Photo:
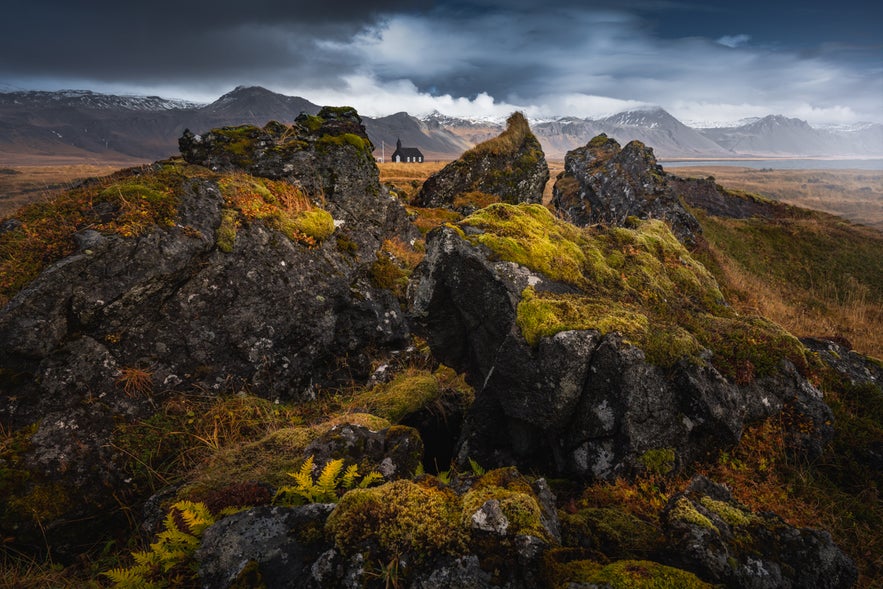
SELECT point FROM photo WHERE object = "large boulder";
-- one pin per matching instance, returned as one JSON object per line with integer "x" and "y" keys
{"x": 509, "y": 168}
{"x": 605, "y": 183}
{"x": 725, "y": 542}
{"x": 177, "y": 277}
{"x": 598, "y": 355}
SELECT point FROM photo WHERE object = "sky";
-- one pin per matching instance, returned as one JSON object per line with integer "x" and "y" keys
{"x": 703, "y": 61}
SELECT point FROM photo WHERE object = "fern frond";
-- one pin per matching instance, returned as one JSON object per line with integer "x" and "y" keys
{"x": 444, "y": 476}
{"x": 477, "y": 469}
{"x": 370, "y": 479}
{"x": 328, "y": 479}
{"x": 304, "y": 477}
{"x": 419, "y": 471}
{"x": 349, "y": 477}
{"x": 196, "y": 515}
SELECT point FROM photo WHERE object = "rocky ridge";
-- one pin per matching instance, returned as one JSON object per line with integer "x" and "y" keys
{"x": 255, "y": 287}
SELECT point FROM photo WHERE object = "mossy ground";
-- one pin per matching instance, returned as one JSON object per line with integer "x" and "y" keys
{"x": 640, "y": 282}
{"x": 623, "y": 574}
{"x": 127, "y": 203}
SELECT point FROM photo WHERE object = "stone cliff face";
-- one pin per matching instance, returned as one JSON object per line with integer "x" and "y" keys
{"x": 509, "y": 168}
{"x": 605, "y": 183}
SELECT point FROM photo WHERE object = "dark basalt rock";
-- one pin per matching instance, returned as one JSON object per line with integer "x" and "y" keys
{"x": 509, "y": 168}
{"x": 273, "y": 315}
{"x": 724, "y": 542}
{"x": 603, "y": 183}
{"x": 274, "y": 547}
{"x": 578, "y": 403}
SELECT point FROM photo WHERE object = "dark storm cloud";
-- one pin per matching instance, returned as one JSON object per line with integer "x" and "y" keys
{"x": 810, "y": 58}
{"x": 165, "y": 39}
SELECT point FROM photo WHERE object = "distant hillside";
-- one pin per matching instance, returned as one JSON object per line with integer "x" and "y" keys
{"x": 668, "y": 136}
{"x": 778, "y": 135}
{"x": 76, "y": 125}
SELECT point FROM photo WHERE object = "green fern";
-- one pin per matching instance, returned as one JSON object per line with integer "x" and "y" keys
{"x": 332, "y": 482}
{"x": 477, "y": 469}
{"x": 161, "y": 566}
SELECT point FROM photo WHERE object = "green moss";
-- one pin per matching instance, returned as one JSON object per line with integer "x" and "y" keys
{"x": 623, "y": 574}
{"x": 311, "y": 122}
{"x": 659, "y": 461}
{"x": 350, "y": 139}
{"x": 686, "y": 512}
{"x": 640, "y": 282}
{"x": 731, "y": 514}
{"x": 529, "y": 235}
{"x": 225, "y": 237}
{"x": 406, "y": 393}
{"x": 315, "y": 223}
{"x": 519, "y": 508}
{"x": 401, "y": 518}
{"x": 612, "y": 531}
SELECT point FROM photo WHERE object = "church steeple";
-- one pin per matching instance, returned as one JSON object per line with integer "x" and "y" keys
{"x": 398, "y": 143}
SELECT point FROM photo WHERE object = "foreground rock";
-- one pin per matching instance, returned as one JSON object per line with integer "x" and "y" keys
{"x": 578, "y": 366}
{"x": 488, "y": 531}
{"x": 726, "y": 543}
{"x": 195, "y": 278}
{"x": 509, "y": 168}
{"x": 604, "y": 183}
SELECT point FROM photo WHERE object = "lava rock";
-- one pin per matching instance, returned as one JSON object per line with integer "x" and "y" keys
{"x": 509, "y": 168}
{"x": 603, "y": 183}
{"x": 724, "y": 542}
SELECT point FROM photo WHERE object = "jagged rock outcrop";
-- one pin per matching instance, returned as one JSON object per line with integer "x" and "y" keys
{"x": 175, "y": 277}
{"x": 509, "y": 168}
{"x": 724, "y": 542}
{"x": 572, "y": 376}
{"x": 604, "y": 183}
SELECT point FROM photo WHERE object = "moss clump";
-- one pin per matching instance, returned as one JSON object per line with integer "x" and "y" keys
{"x": 622, "y": 574}
{"x": 408, "y": 392}
{"x": 660, "y": 461}
{"x": 225, "y": 237}
{"x": 474, "y": 200}
{"x": 685, "y": 511}
{"x": 728, "y": 512}
{"x": 529, "y": 235}
{"x": 400, "y": 518}
{"x": 344, "y": 139}
{"x": 427, "y": 219}
{"x": 506, "y": 143}
{"x": 315, "y": 223}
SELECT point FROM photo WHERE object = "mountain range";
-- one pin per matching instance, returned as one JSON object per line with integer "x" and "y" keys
{"x": 80, "y": 125}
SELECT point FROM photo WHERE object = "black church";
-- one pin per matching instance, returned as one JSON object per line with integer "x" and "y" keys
{"x": 406, "y": 154}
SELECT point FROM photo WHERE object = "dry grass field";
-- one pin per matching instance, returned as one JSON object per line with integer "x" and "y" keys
{"x": 21, "y": 184}
{"x": 856, "y": 195}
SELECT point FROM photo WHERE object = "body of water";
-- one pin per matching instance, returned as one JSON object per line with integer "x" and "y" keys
{"x": 784, "y": 164}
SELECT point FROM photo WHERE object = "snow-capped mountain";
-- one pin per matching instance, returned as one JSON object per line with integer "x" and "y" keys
{"x": 80, "y": 124}
{"x": 95, "y": 100}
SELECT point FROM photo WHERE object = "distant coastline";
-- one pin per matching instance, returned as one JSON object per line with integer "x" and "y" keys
{"x": 783, "y": 163}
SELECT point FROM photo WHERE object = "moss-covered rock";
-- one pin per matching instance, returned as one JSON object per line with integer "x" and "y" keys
{"x": 398, "y": 518}
{"x": 602, "y": 182}
{"x": 712, "y": 534}
{"x": 508, "y": 168}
